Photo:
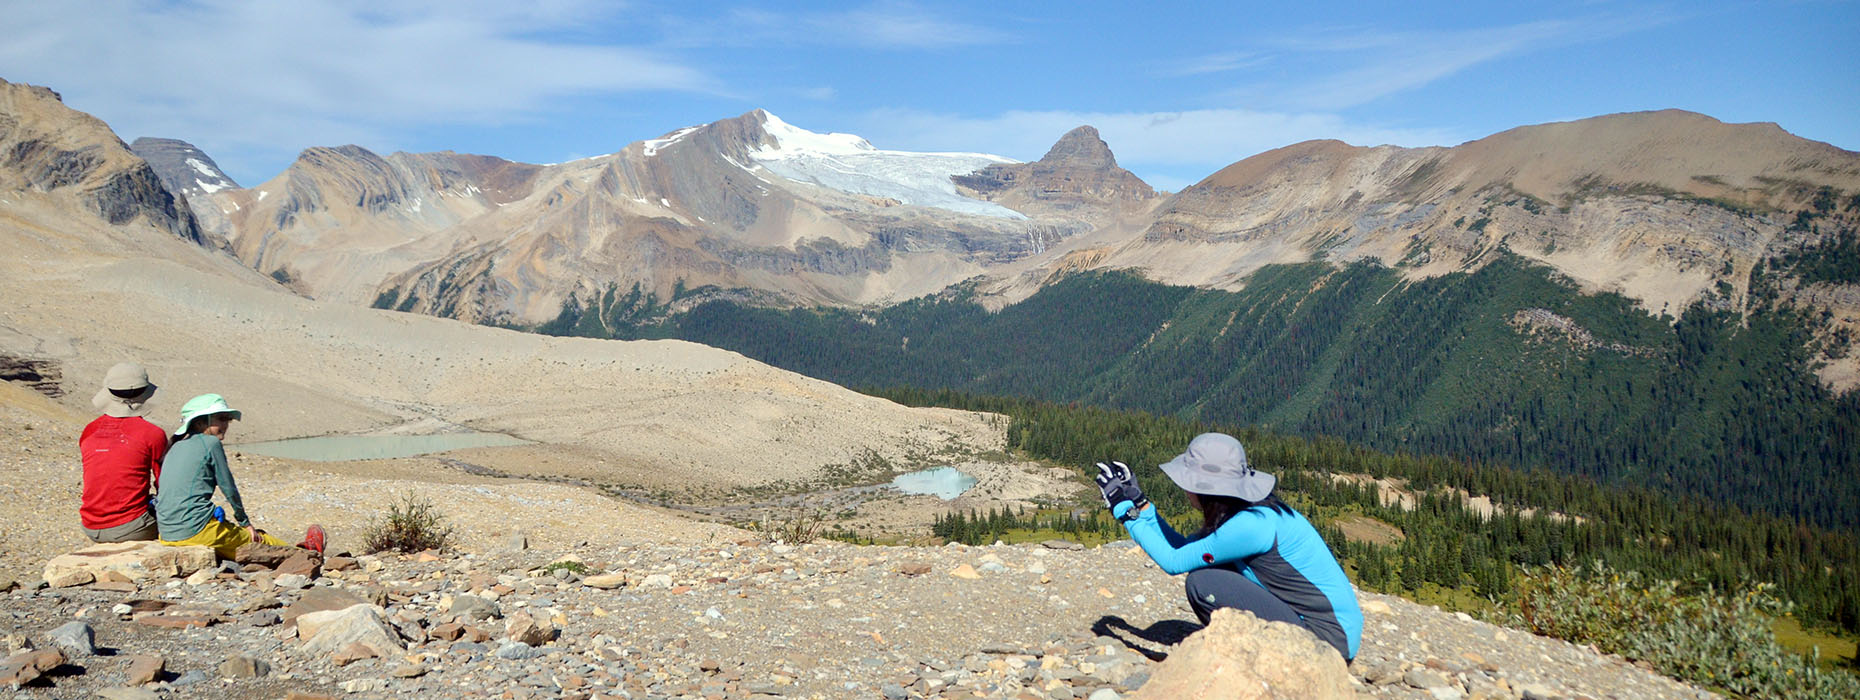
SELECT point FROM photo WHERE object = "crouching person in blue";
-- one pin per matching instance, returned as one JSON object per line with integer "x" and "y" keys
{"x": 1253, "y": 552}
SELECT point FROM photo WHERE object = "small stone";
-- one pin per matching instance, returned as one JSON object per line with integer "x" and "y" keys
{"x": 516, "y": 651}
{"x": 76, "y": 638}
{"x": 604, "y": 581}
{"x": 191, "y": 677}
{"x": 449, "y": 632}
{"x": 408, "y": 671}
{"x": 1376, "y": 607}
{"x": 516, "y": 543}
{"x": 242, "y": 666}
{"x": 965, "y": 572}
{"x": 1425, "y": 679}
{"x": 175, "y": 622}
{"x": 472, "y": 608}
{"x": 122, "y": 610}
{"x": 304, "y": 563}
{"x": 1062, "y": 544}
{"x": 291, "y": 581}
{"x": 523, "y": 627}
{"x": 127, "y": 694}
{"x": 145, "y": 668}
{"x": 914, "y": 568}
{"x": 339, "y": 563}
{"x": 114, "y": 586}
{"x": 353, "y": 652}
{"x": 1104, "y": 694}
{"x": 262, "y": 618}
{"x": 656, "y": 581}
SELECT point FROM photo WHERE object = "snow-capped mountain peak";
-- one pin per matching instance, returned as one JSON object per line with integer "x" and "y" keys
{"x": 848, "y": 163}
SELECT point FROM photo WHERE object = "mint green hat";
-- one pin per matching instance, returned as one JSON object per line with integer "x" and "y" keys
{"x": 203, "y": 405}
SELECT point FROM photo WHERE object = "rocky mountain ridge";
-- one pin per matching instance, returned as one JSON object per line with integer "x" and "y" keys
{"x": 699, "y": 206}
{"x": 46, "y": 147}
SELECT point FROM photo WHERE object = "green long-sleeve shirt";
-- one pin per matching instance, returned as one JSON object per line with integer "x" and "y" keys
{"x": 189, "y": 473}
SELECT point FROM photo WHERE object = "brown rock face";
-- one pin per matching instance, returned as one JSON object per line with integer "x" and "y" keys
{"x": 1239, "y": 656}
{"x": 1078, "y": 178}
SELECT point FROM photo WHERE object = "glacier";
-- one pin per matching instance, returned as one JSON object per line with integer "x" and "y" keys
{"x": 848, "y": 163}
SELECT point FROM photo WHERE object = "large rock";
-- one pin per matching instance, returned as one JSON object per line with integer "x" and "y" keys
{"x": 26, "y": 666}
{"x": 265, "y": 554}
{"x": 134, "y": 561}
{"x": 76, "y": 638}
{"x": 1241, "y": 657}
{"x": 321, "y": 599}
{"x": 326, "y": 633}
{"x": 525, "y": 628}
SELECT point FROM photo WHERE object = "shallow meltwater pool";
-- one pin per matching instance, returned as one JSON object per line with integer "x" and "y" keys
{"x": 943, "y": 482}
{"x": 344, "y": 448}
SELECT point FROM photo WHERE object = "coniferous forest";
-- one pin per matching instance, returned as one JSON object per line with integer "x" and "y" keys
{"x": 1700, "y": 445}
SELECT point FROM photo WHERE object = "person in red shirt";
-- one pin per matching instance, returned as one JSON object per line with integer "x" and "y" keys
{"x": 122, "y": 459}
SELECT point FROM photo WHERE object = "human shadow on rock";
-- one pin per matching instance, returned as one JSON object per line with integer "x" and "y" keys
{"x": 1162, "y": 634}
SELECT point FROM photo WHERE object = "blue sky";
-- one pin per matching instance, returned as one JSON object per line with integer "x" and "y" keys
{"x": 1178, "y": 90}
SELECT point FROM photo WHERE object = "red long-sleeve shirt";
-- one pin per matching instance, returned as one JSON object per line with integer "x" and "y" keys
{"x": 122, "y": 456}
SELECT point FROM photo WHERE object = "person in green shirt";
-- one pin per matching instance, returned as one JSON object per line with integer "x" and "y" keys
{"x": 196, "y": 465}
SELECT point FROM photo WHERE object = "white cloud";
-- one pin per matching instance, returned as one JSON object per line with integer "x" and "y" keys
{"x": 1378, "y": 63}
{"x": 1161, "y": 147}
{"x": 235, "y": 75}
{"x": 892, "y": 24}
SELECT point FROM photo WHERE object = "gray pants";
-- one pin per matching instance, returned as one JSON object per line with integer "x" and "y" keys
{"x": 142, "y": 528}
{"x": 1225, "y": 587}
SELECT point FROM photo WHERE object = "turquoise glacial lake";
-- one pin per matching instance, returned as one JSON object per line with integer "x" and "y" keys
{"x": 943, "y": 482}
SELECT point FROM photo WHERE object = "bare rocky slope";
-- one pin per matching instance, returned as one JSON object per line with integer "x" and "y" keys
{"x": 85, "y": 292}
{"x": 482, "y": 239}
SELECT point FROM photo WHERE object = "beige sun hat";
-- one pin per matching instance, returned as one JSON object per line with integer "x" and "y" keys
{"x": 116, "y": 399}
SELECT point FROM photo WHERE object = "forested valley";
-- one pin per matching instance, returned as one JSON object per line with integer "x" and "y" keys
{"x": 1701, "y": 447}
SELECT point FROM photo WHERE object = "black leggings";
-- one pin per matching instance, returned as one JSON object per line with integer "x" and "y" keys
{"x": 1225, "y": 587}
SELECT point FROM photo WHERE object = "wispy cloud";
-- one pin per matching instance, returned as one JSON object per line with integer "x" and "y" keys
{"x": 1215, "y": 63}
{"x": 893, "y": 25}
{"x": 1158, "y": 146}
{"x": 235, "y": 76}
{"x": 1355, "y": 66}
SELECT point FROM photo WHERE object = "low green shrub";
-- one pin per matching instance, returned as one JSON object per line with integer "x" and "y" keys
{"x": 1719, "y": 639}
{"x": 798, "y": 529}
{"x": 412, "y": 525}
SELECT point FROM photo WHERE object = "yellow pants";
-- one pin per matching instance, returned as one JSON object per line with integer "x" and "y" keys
{"x": 224, "y": 537}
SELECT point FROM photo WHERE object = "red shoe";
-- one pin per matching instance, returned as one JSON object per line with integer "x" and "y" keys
{"x": 313, "y": 539}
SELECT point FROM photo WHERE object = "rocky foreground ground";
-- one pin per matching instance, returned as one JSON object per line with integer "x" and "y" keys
{"x": 739, "y": 619}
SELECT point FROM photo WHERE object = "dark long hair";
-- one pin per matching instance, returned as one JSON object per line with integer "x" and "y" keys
{"x": 1215, "y": 510}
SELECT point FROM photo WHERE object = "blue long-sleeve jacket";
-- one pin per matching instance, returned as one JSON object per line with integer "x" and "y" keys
{"x": 1281, "y": 552}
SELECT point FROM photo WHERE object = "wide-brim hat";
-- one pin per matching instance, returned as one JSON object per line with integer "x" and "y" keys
{"x": 125, "y": 376}
{"x": 1215, "y": 464}
{"x": 204, "y": 405}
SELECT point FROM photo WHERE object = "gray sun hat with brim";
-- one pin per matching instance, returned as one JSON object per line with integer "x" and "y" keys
{"x": 124, "y": 377}
{"x": 1215, "y": 464}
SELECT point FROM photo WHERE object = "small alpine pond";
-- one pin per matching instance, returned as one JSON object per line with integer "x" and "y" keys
{"x": 943, "y": 482}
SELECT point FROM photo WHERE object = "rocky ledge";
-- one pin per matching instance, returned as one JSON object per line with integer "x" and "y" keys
{"x": 746, "y": 620}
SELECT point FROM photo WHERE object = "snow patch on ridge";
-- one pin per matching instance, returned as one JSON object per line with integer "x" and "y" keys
{"x": 215, "y": 180}
{"x": 651, "y": 146}
{"x": 848, "y": 163}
